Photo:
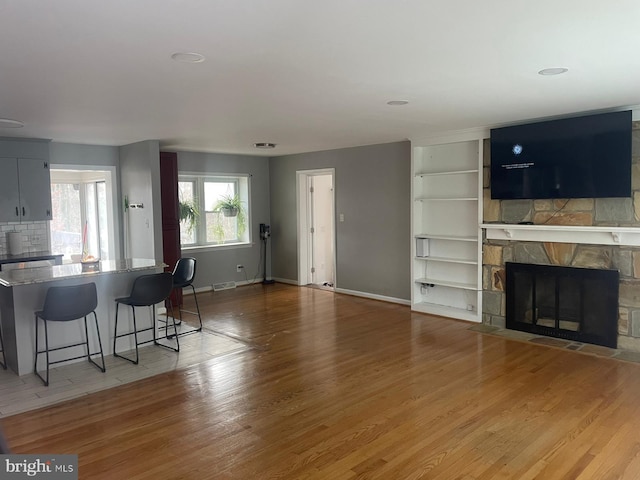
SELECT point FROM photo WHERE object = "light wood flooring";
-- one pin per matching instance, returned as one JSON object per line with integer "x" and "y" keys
{"x": 24, "y": 393}
{"x": 340, "y": 387}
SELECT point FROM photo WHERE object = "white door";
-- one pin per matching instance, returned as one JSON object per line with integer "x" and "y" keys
{"x": 321, "y": 195}
{"x": 316, "y": 228}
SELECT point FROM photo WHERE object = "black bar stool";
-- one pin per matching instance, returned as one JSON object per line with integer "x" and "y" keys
{"x": 64, "y": 304}
{"x": 147, "y": 291}
{"x": 183, "y": 274}
{"x": 3, "y": 363}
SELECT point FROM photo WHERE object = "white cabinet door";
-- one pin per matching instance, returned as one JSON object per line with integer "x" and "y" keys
{"x": 9, "y": 193}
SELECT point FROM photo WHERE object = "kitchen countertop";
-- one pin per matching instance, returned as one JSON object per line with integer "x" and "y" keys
{"x": 29, "y": 276}
{"x": 23, "y": 291}
{"x": 29, "y": 257}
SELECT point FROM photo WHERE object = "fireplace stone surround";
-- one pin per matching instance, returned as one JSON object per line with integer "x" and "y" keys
{"x": 576, "y": 304}
{"x": 580, "y": 247}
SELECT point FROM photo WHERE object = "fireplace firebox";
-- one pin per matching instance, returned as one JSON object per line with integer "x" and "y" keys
{"x": 579, "y": 304}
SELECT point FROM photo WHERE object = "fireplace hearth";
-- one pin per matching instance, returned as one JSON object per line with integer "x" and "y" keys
{"x": 579, "y": 304}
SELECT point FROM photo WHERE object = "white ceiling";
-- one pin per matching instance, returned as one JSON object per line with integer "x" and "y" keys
{"x": 306, "y": 74}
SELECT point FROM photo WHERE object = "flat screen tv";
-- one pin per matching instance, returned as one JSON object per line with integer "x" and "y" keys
{"x": 581, "y": 157}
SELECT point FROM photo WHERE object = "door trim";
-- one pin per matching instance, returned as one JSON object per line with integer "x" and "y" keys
{"x": 302, "y": 214}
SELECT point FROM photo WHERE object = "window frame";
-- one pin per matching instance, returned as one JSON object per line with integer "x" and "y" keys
{"x": 243, "y": 187}
{"x": 94, "y": 174}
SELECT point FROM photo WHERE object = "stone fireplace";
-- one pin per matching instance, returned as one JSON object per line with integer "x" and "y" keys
{"x": 578, "y": 304}
{"x": 586, "y": 233}
{"x": 625, "y": 259}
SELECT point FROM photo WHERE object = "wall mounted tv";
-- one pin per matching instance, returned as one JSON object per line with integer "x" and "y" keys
{"x": 581, "y": 157}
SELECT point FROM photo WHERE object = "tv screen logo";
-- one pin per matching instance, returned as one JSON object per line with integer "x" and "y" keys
{"x": 516, "y": 149}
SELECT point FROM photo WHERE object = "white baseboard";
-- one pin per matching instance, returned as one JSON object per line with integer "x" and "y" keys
{"x": 248, "y": 282}
{"x": 188, "y": 291}
{"x": 355, "y": 293}
{"x": 208, "y": 288}
{"x": 373, "y": 296}
{"x": 286, "y": 280}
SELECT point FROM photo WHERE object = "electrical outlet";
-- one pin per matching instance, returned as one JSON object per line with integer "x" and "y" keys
{"x": 239, "y": 268}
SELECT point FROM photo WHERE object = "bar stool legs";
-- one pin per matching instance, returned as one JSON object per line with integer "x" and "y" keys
{"x": 197, "y": 312}
{"x": 116, "y": 336}
{"x": 86, "y": 343}
{"x": 135, "y": 332}
{"x": 3, "y": 363}
{"x": 62, "y": 305}
{"x": 183, "y": 275}
{"x": 147, "y": 291}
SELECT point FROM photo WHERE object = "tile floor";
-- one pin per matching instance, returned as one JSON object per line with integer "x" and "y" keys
{"x": 586, "y": 348}
{"x": 20, "y": 394}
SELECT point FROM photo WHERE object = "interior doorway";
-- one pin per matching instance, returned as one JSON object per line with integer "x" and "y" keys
{"x": 316, "y": 228}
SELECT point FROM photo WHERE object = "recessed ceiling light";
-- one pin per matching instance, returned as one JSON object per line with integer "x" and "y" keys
{"x": 397, "y": 102}
{"x": 264, "y": 145}
{"x": 188, "y": 57}
{"x": 553, "y": 71}
{"x": 8, "y": 123}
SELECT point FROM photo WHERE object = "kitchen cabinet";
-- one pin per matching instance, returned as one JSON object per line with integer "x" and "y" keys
{"x": 25, "y": 190}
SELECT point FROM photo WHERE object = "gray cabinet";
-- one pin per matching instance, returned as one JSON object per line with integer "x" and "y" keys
{"x": 9, "y": 190}
{"x": 25, "y": 190}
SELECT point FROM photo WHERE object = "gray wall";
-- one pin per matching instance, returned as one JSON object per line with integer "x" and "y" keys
{"x": 218, "y": 264}
{"x": 24, "y": 147}
{"x": 373, "y": 192}
{"x": 83, "y": 155}
{"x": 140, "y": 182}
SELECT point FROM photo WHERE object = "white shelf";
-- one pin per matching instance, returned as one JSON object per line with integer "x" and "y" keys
{"x": 446, "y": 311}
{"x": 446, "y": 189}
{"x": 444, "y": 199}
{"x": 628, "y": 236}
{"x": 456, "y": 238}
{"x": 447, "y": 283}
{"x": 448, "y": 260}
{"x": 435, "y": 174}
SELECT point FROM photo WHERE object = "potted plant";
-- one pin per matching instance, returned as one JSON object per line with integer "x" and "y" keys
{"x": 188, "y": 213}
{"x": 231, "y": 206}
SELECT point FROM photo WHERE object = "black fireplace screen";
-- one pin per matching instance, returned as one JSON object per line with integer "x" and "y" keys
{"x": 578, "y": 304}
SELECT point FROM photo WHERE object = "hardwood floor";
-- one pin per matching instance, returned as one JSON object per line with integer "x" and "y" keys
{"x": 24, "y": 393}
{"x": 340, "y": 387}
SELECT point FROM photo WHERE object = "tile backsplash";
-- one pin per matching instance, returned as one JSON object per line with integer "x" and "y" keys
{"x": 35, "y": 236}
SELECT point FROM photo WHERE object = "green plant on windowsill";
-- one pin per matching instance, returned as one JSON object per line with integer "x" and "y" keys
{"x": 188, "y": 213}
{"x": 230, "y": 206}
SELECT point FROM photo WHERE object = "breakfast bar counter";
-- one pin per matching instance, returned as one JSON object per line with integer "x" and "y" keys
{"x": 22, "y": 292}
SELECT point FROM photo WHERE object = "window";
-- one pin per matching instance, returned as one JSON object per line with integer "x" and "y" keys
{"x": 80, "y": 204}
{"x": 212, "y": 225}
{"x": 66, "y": 223}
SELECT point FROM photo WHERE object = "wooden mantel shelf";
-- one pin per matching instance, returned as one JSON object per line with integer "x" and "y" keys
{"x": 628, "y": 236}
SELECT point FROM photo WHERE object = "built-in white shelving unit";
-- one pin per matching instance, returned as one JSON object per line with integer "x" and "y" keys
{"x": 446, "y": 215}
